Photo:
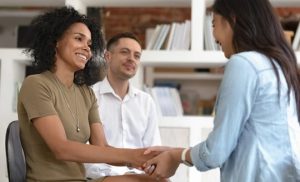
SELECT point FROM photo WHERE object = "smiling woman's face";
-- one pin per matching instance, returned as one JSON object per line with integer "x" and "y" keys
{"x": 223, "y": 34}
{"x": 73, "y": 49}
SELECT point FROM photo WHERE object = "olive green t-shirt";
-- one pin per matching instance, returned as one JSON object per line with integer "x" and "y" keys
{"x": 44, "y": 95}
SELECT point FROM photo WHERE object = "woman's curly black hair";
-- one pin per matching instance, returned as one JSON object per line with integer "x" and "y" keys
{"x": 48, "y": 28}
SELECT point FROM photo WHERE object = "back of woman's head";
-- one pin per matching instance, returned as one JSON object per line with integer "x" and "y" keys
{"x": 257, "y": 28}
{"x": 48, "y": 28}
{"x": 254, "y": 23}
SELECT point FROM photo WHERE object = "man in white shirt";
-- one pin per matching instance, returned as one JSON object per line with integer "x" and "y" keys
{"x": 128, "y": 115}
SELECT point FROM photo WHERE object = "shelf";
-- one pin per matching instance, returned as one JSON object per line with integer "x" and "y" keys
{"x": 124, "y": 3}
{"x": 139, "y": 3}
{"x": 14, "y": 54}
{"x": 31, "y": 3}
{"x": 187, "y": 76}
{"x": 17, "y": 13}
{"x": 275, "y": 3}
{"x": 199, "y": 59}
{"x": 192, "y": 122}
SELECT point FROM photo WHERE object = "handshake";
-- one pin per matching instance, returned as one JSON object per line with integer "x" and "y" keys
{"x": 160, "y": 162}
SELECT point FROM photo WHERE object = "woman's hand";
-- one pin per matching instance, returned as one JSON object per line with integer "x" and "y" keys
{"x": 164, "y": 165}
{"x": 157, "y": 149}
{"x": 137, "y": 157}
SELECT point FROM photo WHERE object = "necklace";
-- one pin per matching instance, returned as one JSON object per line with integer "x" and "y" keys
{"x": 68, "y": 105}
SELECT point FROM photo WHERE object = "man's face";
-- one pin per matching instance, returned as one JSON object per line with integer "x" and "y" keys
{"x": 124, "y": 58}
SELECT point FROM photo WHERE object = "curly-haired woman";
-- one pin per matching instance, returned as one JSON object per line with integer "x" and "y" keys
{"x": 57, "y": 109}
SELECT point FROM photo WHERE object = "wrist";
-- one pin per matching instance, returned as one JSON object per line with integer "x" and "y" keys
{"x": 175, "y": 154}
{"x": 184, "y": 159}
{"x": 128, "y": 157}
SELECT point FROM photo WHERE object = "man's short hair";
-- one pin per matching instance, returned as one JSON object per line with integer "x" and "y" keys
{"x": 114, "y": 39}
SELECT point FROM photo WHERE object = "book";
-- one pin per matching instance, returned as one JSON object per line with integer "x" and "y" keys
{"x": 176, "y": 43}
{"x": 167, "y": 100}
{"x": 154, "y": 37}
{"x": 170, "y": 37}
{"x": 186, "y": 35}
{"x": 161, "y": 37}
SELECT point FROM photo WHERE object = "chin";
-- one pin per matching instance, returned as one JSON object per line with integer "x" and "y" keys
{"x": 80, "y": 68}
{"x": 227, "y": 54}
{"x": 129, "y": 75}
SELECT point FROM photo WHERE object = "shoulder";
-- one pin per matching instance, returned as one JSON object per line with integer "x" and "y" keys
{"x": 37, "y": 80}
{"x": 35, "y": 86}
{"x": 141, "y": 93}
{"x": 96, "y": 86}
{"x": 250, "y": 60}
{"x": 143, "y": 96}
{"x": 88, "y": 90}
{"x": 102, "y": 87}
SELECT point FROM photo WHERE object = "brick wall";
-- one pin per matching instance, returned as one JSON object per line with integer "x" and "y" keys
{"x": 137, "y": 20}
{"x": 289, "y": 17}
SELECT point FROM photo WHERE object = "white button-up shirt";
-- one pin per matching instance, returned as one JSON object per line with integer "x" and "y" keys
{"x": 128, "y": 123}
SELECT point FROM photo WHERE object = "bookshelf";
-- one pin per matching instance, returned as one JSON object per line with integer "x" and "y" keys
{"x": 13, "y": 61}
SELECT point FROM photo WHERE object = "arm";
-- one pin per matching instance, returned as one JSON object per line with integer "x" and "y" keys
{"x": 97, "y": 135}
{"x": 233, "y": 108}
{"x": 39, "y": 98}
{"x": 51, "y": 130}
{"x": 236, "y": 98}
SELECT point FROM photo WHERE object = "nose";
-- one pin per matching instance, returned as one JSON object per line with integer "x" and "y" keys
{"x": 87, "y": 47}
{"x": 131, "y": 57}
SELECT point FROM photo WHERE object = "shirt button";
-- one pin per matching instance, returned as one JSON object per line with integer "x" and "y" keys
{"x": 203, "y": 155}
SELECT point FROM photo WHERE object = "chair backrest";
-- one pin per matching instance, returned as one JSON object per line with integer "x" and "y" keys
{"x": 15, "y": 159}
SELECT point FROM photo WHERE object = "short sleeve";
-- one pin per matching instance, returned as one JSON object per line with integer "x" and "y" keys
{"x": 93, "y": 113}
{"x": 36, "y": 98}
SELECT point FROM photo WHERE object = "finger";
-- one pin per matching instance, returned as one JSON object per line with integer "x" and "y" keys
{"x": 147, "y": 169}
{"x": 151, "y": 169}
{"x": 149, "y": 166}
{"x": 156, "y": 149}
{"x": 150, "y": 149}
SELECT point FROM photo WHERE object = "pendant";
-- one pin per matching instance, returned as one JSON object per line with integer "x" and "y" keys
{"x": 78, "y": 129}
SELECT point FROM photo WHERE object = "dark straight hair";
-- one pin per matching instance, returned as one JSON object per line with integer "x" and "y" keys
{"x": 257, "y": 28}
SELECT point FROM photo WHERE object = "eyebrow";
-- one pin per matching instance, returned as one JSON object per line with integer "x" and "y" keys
{"x": 83, "y": 35}
{"x": 125, "y": 48}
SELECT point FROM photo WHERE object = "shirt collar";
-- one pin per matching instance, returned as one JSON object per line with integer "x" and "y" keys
{"x": 105, "y": 87}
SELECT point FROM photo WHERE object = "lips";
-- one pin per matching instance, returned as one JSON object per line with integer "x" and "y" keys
{"x": 82, "y": 56}
{"x": 129, "y": 66}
